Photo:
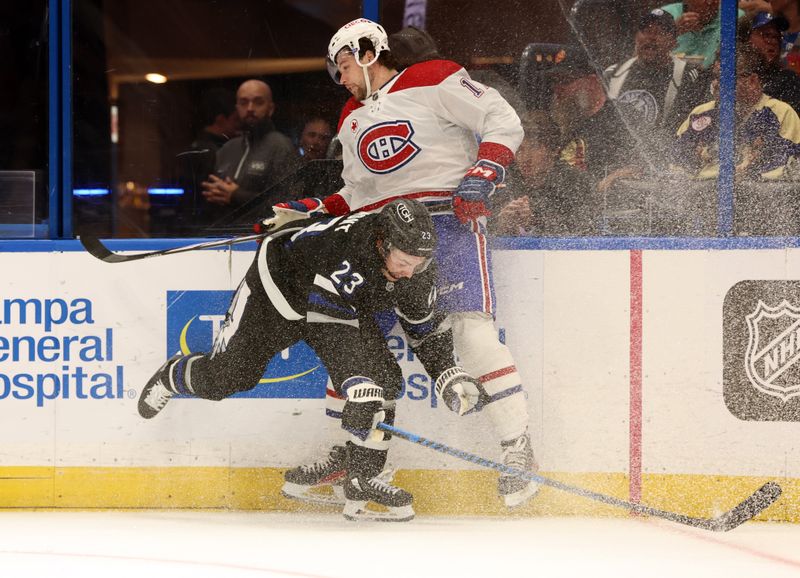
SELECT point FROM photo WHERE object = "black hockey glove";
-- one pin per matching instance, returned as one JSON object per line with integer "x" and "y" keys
{"x": 363, "y": 408}
{"x": 459, "y": 391}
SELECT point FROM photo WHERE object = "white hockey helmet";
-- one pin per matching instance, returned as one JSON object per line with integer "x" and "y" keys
{"x": 347, "y": 37}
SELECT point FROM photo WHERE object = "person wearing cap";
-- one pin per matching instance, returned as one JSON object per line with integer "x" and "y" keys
{"x": 594, "y": 136}
{"x": 790, "y": 10}
{"x": 698, "y": 25}
{"x": 763, "y": 33}
{"x": 767, "y": 130}
{"x": 753, "y": 7}
{"x": 661, "y": 87}
{"x": 545, "y": 196}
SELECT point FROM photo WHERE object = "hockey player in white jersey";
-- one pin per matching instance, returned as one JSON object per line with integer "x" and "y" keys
{"x": 412, "y": 134}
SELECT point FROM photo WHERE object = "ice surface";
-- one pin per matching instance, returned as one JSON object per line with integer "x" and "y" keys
{"x": 225, "y": 544}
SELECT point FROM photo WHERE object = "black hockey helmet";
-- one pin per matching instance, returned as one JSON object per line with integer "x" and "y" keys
{"x": 411, "y": 45}
{"x": 406, "y": 225}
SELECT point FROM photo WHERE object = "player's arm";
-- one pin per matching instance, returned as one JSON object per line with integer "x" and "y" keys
{"x": 487, "y": 114}
{"x": 335, "y": 204}
{"x": 331, "y": 298}
{"x": 483, "y": 110}
{"x": 432, "y": 342}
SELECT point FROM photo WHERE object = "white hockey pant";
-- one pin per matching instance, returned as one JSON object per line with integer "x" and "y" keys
{"x": 482, "y": 354}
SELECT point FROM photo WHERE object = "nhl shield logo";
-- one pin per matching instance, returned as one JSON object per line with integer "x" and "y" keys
{"x": 773, "y": 350}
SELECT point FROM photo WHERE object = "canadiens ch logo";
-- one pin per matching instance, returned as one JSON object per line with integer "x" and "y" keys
{"x": 387, "y": 146}
{"x": 773, "y": 350}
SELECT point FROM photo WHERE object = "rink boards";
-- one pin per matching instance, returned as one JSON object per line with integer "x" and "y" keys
{"x": 666, "y": 376}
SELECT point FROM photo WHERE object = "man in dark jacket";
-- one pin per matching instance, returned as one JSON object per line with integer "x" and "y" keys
{"x": 248, "y": 165}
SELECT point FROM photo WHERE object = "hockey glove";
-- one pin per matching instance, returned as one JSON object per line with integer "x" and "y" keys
{"x": 288, "y": 212}
{"x": 363, "y": 408}
{"x": 461, "y": 392}
{"x": 472, "y": 194}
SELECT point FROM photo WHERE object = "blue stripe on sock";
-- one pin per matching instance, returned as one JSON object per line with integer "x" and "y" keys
{"x": 505, "y": 393}
{"x": 178, "y": 372}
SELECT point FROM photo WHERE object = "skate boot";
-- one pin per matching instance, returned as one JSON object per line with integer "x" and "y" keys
{"x": 395, "y": 502}
{"x": 368, "y": 483}
{"x": 158, "y": 391}
{"x": 305, "y": 482}
{"x": 517, "y": 454}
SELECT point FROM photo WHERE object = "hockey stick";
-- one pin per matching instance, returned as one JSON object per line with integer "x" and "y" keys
{"x": 761, "y": 499}
{"x": 96, "y": 248}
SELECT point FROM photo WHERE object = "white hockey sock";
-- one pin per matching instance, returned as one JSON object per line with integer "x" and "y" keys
{"x": 482, "y": 354}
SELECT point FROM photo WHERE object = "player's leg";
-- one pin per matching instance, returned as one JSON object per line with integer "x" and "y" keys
{"x": 365, "y": 459}
{"x": 320, "y": 481}
{"x": 483, "y": 355}
{"x": 467, "y": 292}
{"x": 253, "y": 332}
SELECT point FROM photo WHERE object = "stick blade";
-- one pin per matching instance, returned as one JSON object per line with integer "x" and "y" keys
{"x": 759, "y": 501}
{"x": 96, "y": 249}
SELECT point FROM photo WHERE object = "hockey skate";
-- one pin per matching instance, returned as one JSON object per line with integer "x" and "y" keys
{"x": 395, "y": 503}
{"x": 156, "y": 393}
{"x": 310, "y": 482}
{"x": 517, "y": 454}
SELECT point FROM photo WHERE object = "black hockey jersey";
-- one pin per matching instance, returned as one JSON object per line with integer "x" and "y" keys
{"x": 330, "y": 271}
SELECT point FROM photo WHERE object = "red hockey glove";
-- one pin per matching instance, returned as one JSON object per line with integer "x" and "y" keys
{"x": 475, "y": 189}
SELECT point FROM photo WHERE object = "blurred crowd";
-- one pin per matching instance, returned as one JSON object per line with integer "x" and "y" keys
{"x": 628, "y": 149}
{"x": 634, "y": 148}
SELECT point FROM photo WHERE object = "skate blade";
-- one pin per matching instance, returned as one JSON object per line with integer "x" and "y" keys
{"x": 325, "y": 495}
{"x": 357, "y": 511}
{"x": 517, "y": 499}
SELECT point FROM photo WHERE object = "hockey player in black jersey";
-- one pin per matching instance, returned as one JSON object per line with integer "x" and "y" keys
{"x": 323, "y": 282}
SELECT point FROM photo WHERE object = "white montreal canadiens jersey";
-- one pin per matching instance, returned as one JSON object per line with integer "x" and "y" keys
{"x": 420, "y": 133}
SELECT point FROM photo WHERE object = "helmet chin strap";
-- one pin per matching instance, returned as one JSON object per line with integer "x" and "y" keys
{"x": 366, "y": 79}
{"x": 364, "y": 68}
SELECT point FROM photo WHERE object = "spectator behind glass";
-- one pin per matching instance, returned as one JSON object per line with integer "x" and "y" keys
{"x": 753, "y": 7}
{"x": 412, "y": 45}
{"x": 315, "y": 139}
{"x": 594, "y": 135}
{"x": 545, "y": 196}
{"x": 251, "y": 163}
{"x": 698, "y": 27}
{"x": 767, "y": 130}
{"x": 659, "y": 87}
{"x": 764, "y": 34}
{"x": 219, "y": 118}
{"x": 790, "y": 10}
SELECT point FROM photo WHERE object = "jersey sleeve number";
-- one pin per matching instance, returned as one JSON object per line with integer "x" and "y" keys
{"x": 347, "y": 279}
{"x": 476, "y": 91}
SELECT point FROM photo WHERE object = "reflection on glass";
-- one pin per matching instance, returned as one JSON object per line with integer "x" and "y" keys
{"x": 156, "y": 116}
{"x": 618, "y": 83}
{"x": 23, "y": 119}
